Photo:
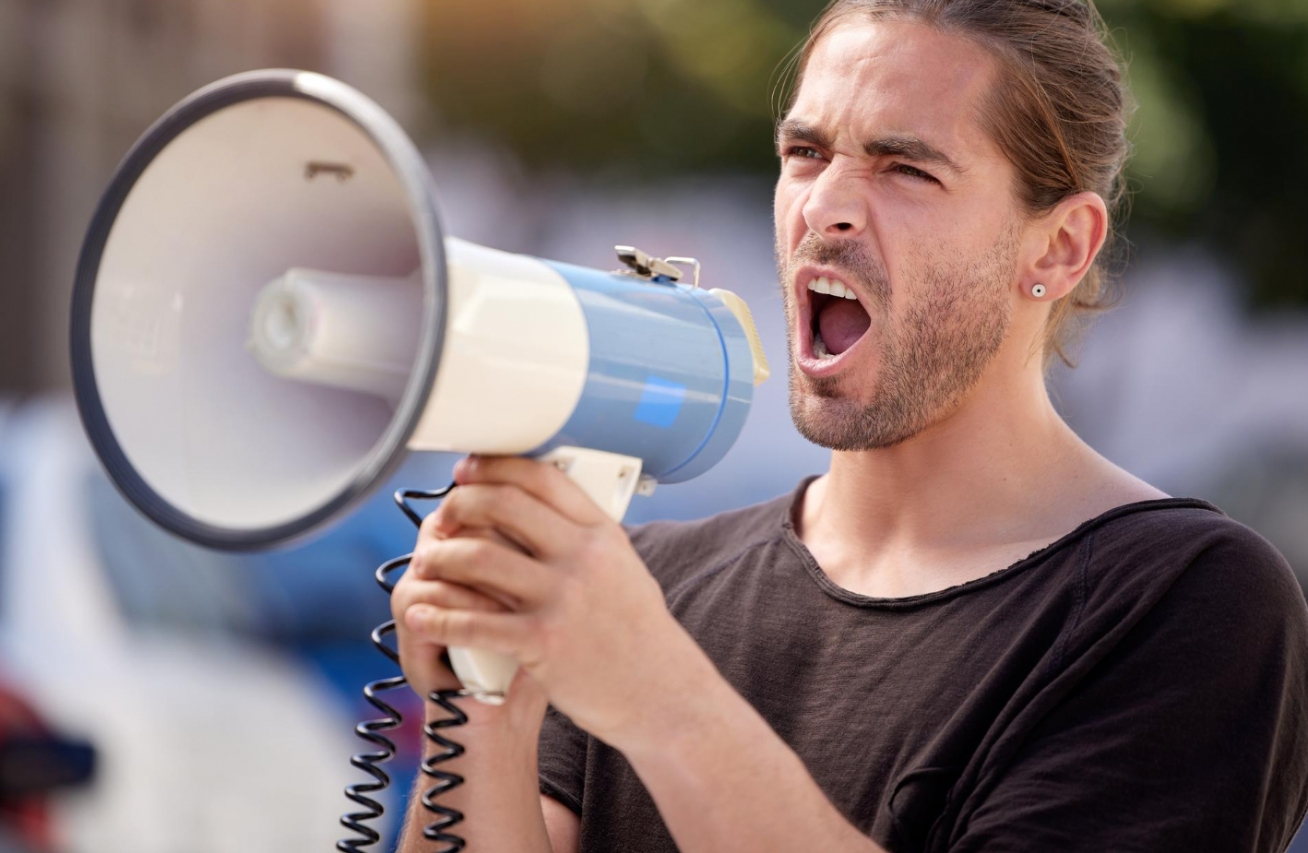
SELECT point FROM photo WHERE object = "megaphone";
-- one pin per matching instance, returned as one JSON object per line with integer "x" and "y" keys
{"x": 268, "y": 316}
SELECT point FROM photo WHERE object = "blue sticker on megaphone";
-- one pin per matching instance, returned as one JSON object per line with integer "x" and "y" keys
{"x": 660, "y": 403}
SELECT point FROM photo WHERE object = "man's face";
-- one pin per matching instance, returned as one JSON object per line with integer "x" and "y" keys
{"x": 890, "y": 186}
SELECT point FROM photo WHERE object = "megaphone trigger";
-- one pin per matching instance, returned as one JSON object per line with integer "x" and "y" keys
{"x": 608, "y": 479}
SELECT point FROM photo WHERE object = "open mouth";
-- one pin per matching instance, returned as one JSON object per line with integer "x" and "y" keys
{"x": 837, "y": 319}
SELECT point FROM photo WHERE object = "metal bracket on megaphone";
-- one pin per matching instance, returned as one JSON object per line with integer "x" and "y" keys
{"x": 644, "y": 265}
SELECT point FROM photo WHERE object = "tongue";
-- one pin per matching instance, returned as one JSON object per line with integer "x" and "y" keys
{"x": 842, "y": 322}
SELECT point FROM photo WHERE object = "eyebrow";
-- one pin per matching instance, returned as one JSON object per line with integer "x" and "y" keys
{"x": 904, "y": 145}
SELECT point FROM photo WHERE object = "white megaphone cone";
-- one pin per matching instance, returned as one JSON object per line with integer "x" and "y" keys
{"x": 267, "y": 317}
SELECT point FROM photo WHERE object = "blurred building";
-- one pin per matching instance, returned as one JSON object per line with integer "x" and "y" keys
{"x": 80, "y": 80}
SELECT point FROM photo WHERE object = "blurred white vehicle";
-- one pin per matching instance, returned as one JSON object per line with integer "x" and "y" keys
{"x": 206, "y": 742}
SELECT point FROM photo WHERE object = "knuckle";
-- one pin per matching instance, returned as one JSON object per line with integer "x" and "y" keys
{"x": 402, "y": 597}
{"x": 512, "y": 501}
{"x": 451, "y": 509}
{"x": 420, "y": 563}
{"x": 591, "y": 544}
{"x": 403, "y": 585}
{"x": 549, "y": 478}
{"x": 400, "y": 605}
{"x": 432, "y": 592}
{"x": 434, "y": 556}
{"x": 470, "y": 505}
{"x": 436, "y": 622}
{"x": 541, "y": 636}
{"x": 474, "y": 504}
{"x": 459, "y": 625}
{"x": 478, "y": 549}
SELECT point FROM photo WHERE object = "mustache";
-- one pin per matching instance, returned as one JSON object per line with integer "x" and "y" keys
{"x": 848, "y": 255}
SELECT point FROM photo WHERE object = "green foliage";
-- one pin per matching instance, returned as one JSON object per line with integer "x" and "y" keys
{"x": 644, "y": 89}
{"x": 1220, "y": 134}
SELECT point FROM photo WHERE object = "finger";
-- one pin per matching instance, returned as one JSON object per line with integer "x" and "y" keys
{"x": 490, "y": 535}
{"x": 411, "y": 590}
{"x": 451, "y": 596}
{"x": 429, "y": 529}
{"x": 485, "y": 566}
{"x": 504, "y": 600}
{"x": 539, "y": 479}
{"x": 505, "y": 633}
{"x": 520, "y": 517}
{"x": 422, "y": 661}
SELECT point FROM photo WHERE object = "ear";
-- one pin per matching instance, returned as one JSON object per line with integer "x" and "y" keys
{"x": 1071, "y": 236}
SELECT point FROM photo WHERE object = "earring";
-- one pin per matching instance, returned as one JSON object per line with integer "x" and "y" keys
{"x": 1038, "y": 291}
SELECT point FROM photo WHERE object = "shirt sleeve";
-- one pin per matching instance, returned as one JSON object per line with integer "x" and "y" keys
{"x": 562, "y": 760}
{"x": 1191, "y": 734}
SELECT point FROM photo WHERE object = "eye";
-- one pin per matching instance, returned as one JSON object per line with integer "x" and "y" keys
{"x": 803, "y": 152}
{"x": 913, "y": 172}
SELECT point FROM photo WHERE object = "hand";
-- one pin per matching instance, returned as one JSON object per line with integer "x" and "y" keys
{"x": 423, "y": 661}
{"x": 584, "y": 616}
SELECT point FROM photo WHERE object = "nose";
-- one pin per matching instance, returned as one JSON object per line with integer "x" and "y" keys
{"x": 835, "y": 208}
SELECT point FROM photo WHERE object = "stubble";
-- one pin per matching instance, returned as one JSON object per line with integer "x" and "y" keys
{"x": 932, "y": 352}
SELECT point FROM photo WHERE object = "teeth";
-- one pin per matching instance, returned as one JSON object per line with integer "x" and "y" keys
{"x": 820, "y": 347}
{"x": 833, "y": 288}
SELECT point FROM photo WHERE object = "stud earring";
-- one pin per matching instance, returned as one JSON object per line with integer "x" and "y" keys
{"x": 1038, "y": 291}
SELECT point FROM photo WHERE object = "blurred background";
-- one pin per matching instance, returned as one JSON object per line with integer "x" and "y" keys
{"x": 177, "y": 699}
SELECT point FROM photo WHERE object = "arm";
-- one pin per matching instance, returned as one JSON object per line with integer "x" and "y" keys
{"x": 589, "y": 624}
{"x": 508, "y": 797}
{"x": 724, "y": 780}
{"x": 564, "y": 827}
{"x": 500, "y": 795}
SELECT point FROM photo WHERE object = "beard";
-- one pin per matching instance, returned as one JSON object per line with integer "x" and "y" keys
{"x": 952, "y": 325}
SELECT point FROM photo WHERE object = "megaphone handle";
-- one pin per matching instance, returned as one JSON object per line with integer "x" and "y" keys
{"x": 610, "y": 480}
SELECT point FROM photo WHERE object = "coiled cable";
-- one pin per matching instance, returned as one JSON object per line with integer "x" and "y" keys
{"x": 372, "y": 731}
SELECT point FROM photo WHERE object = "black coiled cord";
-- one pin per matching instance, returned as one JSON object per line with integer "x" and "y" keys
{"x": 372, "y": 730}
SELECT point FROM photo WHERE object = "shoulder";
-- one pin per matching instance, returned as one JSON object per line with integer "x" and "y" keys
{"x": 1239, "y": 577}
{"x": 675, "y": 551}
{"x": 1185, "y": 561}
{"x": 1191, "y": 537}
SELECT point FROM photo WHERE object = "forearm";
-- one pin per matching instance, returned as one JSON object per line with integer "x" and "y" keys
{"x": 499, "y": 798}
{"x": 724, "y": 780}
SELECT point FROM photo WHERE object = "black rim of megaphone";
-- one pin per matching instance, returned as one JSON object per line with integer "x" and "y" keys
{"x": 412, "y": 172}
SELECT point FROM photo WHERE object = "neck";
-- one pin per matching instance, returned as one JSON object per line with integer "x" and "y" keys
{"x": 1000, "y": 476}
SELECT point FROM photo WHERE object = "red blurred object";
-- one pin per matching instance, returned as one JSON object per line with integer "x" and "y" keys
{"x": 33, "y": 761}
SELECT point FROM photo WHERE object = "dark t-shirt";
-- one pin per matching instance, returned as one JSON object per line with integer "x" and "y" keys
{"x": 1139, "y": 685}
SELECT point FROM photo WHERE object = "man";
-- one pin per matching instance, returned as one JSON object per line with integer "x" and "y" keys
{"x": 972, "y": 633}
